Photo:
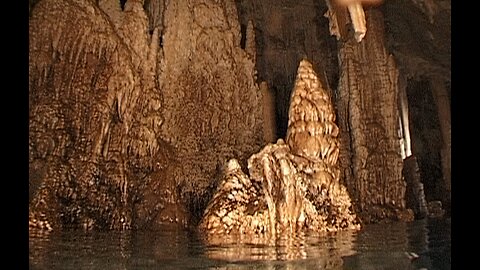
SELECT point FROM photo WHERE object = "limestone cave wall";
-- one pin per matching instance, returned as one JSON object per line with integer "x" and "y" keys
{"x": 135, "y": 106}
{"x": 212, "y": 103}
{"x": 128, "y": 124}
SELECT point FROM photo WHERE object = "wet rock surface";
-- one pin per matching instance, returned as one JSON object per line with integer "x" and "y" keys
{"x": 133, "y": 108}
{"x": 83, "y": 90}
{"x": 290, "y": 186}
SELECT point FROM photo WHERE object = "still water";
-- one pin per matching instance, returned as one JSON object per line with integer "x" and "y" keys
{"x": 422, "y": 244}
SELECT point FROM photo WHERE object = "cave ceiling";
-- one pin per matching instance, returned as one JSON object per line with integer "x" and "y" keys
{"x": 418, "y": 32}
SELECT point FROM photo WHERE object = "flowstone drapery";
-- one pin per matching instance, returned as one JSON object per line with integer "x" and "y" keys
{"x": 131, "y": 110}
{"x": 291, "y": 186}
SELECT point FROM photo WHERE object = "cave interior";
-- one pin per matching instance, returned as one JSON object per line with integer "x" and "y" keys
{"x": 416, "y": 33}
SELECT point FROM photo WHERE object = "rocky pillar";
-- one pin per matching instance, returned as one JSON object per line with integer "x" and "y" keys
{"x": 368, "y": 119}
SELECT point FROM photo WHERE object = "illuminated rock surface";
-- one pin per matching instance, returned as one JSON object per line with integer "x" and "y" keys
{"x": 132, "y": 112}
{"x": 290, "y": 186}
{"x": 134, "y": 107}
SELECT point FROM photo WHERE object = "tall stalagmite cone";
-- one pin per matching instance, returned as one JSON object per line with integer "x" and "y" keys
{"x": 311, "y": 131}
{"x": 289, "y": 187}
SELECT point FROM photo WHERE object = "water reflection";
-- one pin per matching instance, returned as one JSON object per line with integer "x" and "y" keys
{"x": 326, "y": 249}
{"x": 382, "y": 246}
{"x": 256, "y": 248}
{"x": 423, "y": 244}
{"x": 385, "y": 246}
{"x": 79, "y": 250}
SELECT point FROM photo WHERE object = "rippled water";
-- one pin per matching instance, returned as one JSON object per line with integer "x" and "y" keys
{"x": 385, "y": 246}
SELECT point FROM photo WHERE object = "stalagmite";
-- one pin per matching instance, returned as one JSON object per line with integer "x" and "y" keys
{"x": 371, "y": 161}
{"x": 415, "y": 197}
{"x": 290, "y": 186}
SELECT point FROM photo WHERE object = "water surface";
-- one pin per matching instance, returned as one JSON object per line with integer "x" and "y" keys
{"x": 423, "y": 244}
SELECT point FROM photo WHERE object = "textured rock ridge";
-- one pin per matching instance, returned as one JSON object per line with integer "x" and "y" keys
{"x": 132, "y": 112}
{"x": 213, "y": 106}
{"x": 83, "y": 88}
{"x": 371, "y": 161}
{"x": 291, "y": 186}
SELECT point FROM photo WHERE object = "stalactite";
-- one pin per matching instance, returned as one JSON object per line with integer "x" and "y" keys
{"x": 404, "y": 118}
{"x": 155, "y": 10}
{"x": 134, "y": 31}
{"x": 338, "y": 19}
{"x": 337, "y": 10}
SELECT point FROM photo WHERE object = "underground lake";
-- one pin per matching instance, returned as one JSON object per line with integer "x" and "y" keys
{"x": 421, "y": 244}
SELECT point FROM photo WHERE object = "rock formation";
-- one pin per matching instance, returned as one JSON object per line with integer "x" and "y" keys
{"x": 419, "y": 35}
{"x": 287, "y": 32}
{"x": 291, "y": 186}
{"x": 212, "y": 104}
{"x": 84, "y": 89}
{"x": 132, "y": 112}
{"x": 367, "y": 102}
{"x": 135, "y": 106}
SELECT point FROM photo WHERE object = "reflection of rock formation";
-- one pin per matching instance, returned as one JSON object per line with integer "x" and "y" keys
{"x": 290, "y": 186}
{"x": 321, "y": 251}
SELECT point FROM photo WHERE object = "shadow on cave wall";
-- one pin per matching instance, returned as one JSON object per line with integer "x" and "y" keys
{"x": 427, "y": 137}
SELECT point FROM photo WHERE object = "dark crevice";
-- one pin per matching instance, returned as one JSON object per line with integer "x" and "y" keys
{"x": 122, "y": 4}
{"x": 243, "y": 36}
{"x": 426, "y": 136}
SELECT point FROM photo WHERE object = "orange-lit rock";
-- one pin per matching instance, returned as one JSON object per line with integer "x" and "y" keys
{"x": 291, "y": 186}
